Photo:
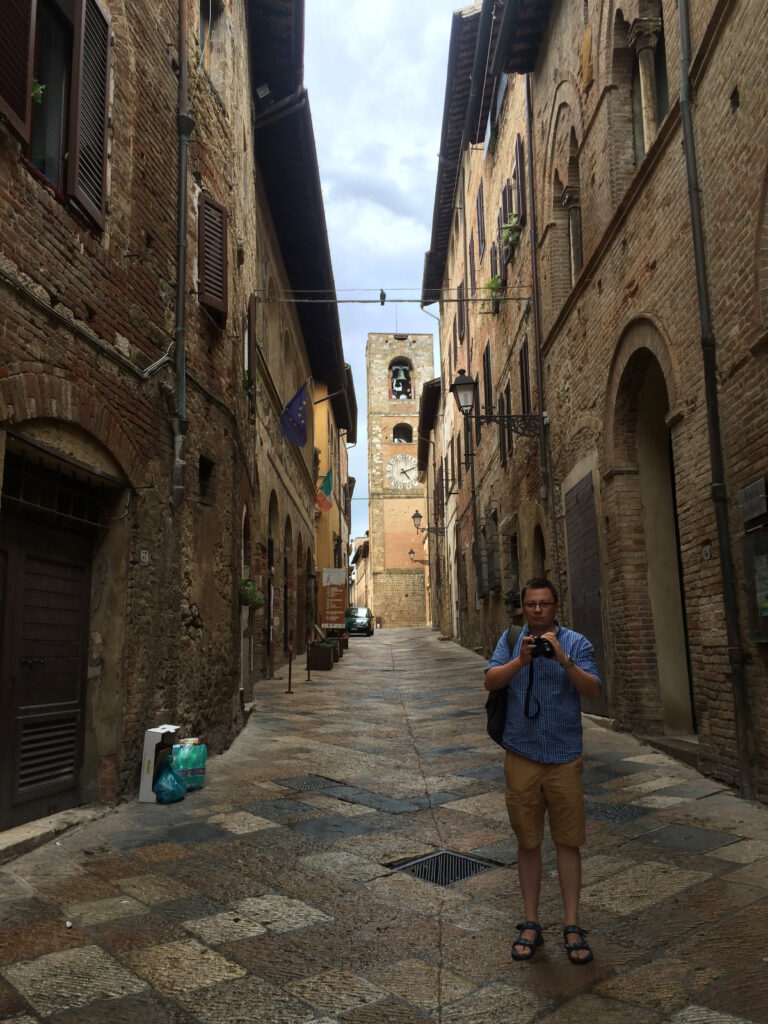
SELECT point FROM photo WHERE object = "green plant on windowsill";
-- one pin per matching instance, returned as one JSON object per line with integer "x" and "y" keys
{"x": 511, "y": 231}
{"x": 493, "y": 289}
{"x": 511, "y": 599}
{"x": 249, "y": 593}
{"x": 37, "y": 91}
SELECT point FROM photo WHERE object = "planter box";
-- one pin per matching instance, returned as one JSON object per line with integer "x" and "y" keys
{"x": 336, "y": 650}
{"x": 320, "y": 658}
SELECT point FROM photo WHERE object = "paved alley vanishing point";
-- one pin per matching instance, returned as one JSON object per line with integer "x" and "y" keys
{"x": 272, "y": 894}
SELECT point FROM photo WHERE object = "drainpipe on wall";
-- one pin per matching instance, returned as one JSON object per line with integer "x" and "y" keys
{"x": 709, "y": 353}
{"x": 185, "y": 126}
{"x": 546, "y": 492}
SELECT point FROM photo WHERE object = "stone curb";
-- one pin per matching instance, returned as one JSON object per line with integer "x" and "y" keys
{"x": 16, "y": 841}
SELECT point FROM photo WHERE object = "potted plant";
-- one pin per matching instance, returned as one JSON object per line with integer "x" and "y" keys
{"x": 493, "y": 289}
{"x": 320, "y": 656}
{"x": 511, "y": 600}
{"x": 511, "y": 232}
{"x": 249, "y": 593}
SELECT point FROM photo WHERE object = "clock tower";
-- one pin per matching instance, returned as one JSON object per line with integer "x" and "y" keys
{"x": 397, "y": 366}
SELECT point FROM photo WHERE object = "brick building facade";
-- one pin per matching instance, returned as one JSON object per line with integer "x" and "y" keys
{"x": 638, "y": 339}
{"x": 397, "y": 366}
{"x": 150, "y": 198}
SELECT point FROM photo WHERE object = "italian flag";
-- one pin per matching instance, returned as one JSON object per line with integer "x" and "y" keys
{"x": 323, "y": 498}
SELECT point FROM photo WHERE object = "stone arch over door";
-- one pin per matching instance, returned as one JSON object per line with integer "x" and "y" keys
{"x": 653, "y": 690}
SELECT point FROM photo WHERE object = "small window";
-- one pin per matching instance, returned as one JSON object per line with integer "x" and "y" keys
{"x": 461, "y": 310}
{"x": 458, "y": 459}
{"x": 205, "y": 477}
{"x": 211, "y": 18}
{"x": 402, "y": 433}
{"x": 212, "y": 253}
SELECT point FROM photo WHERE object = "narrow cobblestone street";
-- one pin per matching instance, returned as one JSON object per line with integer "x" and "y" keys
{"x": 270, "y": 896}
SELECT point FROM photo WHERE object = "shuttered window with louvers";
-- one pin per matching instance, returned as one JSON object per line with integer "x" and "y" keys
{"x": 212, "y": 253}
{"x": 87, "y": 162}
{"x": 17, "y": 40}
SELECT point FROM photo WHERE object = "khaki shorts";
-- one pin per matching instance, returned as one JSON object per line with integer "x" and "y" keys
{"x": 533, "y": 788}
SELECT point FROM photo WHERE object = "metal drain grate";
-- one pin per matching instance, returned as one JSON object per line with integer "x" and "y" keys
{"x": 307, "y": 783}
{"x": 444, "y": 867}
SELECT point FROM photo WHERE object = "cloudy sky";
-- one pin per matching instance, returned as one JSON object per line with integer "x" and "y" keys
{"x": 375, "y": 73}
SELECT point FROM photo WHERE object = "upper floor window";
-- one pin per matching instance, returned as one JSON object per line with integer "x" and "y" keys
{"x": 525, "y": 378}
{"x": 211, "y": 22}
{"x": 480, "y": 210}
{"x": 403, "y": 433}
{"x": 54, "y": 89}
{"x": 400, "y": 380}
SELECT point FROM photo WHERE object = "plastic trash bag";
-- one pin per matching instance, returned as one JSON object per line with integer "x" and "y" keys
{"x": 189, "y": 757}
{"x": 169, "y": 785}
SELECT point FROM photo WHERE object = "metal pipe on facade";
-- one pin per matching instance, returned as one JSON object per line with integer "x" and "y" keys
{"x": 185, "y": 126}
{"x": 709, "y": 354}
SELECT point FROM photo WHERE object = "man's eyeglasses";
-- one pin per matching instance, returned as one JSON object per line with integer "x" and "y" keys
{"x": 530, "y": 605}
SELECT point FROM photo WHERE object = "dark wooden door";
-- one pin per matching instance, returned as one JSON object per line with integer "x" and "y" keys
{"x": 584, "y": 576}
{"x": 44, "y": 615}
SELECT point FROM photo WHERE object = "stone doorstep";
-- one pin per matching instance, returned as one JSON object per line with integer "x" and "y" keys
{"x": 19, "y": 840}
{"x": 681, "y": 748}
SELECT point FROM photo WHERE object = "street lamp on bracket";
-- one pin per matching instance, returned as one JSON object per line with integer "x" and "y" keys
{"x": 417, "y": 518}
{"x": 464, "y": 390}
{"x": 421, "y": 561}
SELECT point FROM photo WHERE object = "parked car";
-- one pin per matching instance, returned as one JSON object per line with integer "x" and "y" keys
{"x": 358, "y": 620}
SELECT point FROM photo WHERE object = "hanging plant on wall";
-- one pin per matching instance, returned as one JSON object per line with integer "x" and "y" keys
{"x": 511, "y": 231}
{"x": 249, "y": 593}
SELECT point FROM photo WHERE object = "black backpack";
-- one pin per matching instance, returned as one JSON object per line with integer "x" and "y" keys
{"x": 496, "y": 705}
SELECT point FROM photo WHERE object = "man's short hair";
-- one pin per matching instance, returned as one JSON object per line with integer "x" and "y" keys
{"x": 539, "y": 583}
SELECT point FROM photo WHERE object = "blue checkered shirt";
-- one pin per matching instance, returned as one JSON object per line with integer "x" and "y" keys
{"x": 555, "y": 736}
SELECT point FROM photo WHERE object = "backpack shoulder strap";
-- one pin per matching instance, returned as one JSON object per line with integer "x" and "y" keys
{"x": 513, "y": 634}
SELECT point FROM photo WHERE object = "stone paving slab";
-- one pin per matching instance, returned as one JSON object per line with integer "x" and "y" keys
{"x": 270, "y": 895}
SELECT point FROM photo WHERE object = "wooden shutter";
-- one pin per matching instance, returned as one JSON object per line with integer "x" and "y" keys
{"x": 17, "y": 51}
{"x": 510, "y": 445}
{"x": 525, "y": 378}
{"x": 212, "y": 253}
{"x": 520, "y": 180}
{"x": 480, "y": 222}
{"x": 252, "y": 339}
{"x": 87, "y": 161}
{"x": 460, "y": 297}
{"x": 472, "y": 276}
{"x": 502, "y": 432}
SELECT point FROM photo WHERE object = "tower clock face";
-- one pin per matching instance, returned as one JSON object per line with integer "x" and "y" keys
{"x": 402, "y": 472}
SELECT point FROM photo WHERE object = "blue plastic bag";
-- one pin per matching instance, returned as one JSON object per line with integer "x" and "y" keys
{"x": 169, "y": 785}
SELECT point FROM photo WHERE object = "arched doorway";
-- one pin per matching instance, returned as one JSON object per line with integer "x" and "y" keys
{"x": 269, "y": 618}
{"x": 645, "y": 547}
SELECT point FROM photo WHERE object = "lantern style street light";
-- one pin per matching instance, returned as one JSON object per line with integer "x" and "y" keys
{"x": 417, "y": 518}
{"x": 464, "y": 390}
{"x": 421, "y": 561}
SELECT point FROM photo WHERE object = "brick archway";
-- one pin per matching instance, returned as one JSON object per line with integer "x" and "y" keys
{"x": 32, "y": 394}
{"x": 652, "y": 689}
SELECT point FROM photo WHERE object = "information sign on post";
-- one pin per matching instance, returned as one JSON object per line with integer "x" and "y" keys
{"x": 333, "y": 598}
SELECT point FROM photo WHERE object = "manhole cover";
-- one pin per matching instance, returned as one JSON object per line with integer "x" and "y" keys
{"x": 444, "y": 867}
{"x": 307, "y": 783}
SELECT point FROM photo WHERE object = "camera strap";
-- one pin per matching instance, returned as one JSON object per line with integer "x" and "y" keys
{"x": 529, "y": 697}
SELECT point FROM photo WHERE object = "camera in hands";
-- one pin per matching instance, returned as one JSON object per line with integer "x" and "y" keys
{"x": 542, "y": 648}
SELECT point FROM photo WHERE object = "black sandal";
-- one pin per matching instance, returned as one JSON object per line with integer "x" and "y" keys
{"x": 572, "y": 947}
{"x": 530, "y": 944}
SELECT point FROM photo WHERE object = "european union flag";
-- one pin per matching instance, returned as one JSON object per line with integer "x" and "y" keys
{"x": 294, "y": 418}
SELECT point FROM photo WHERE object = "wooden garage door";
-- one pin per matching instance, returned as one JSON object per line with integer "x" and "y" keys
{"x": 584, "y": 578}
{"x": 44, "y": 634}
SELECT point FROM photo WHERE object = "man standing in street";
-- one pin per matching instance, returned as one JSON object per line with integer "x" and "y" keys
{"x": 546, "y": 673}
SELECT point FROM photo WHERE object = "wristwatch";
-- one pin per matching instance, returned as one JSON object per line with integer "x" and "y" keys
{"x": 569, "y": 663}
